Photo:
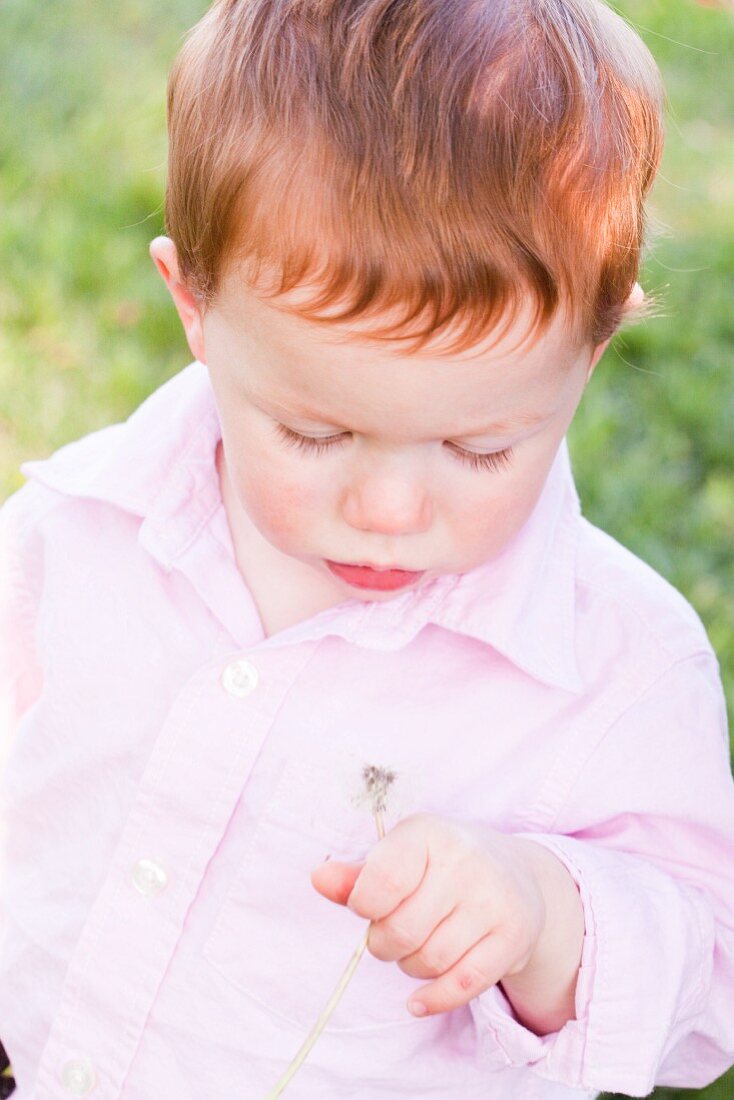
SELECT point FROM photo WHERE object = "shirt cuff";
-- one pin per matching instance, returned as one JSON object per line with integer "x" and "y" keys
{"x": 645, "y": 969}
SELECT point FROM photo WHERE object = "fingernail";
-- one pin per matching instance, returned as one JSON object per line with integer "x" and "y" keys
{"x": 417, "y": 1008}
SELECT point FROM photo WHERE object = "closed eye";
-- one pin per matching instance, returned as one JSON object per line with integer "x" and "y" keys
{"x": 477, "y": 460}
{"x": 487, "y": 460}
{"x": 310, "y": 442}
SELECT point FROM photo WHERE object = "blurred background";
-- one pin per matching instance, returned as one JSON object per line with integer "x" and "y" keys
{"x": 87, "y": 329}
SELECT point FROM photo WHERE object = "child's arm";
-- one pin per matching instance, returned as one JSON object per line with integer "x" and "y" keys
{"x": 647, "y": 833}
{"x": 20, "y": 677}
{"x": 543, "y": 994}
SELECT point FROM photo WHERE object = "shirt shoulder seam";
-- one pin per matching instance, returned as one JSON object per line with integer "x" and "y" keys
{"x": 644, "y": 685}
{"x": 702, "y": 644}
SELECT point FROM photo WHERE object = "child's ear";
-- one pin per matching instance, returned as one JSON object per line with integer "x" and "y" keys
{"x": 633, "y": 303}
{"x": 163, "y": 254}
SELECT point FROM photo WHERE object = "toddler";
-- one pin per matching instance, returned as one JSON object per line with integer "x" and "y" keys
{"x": 343, "y": 542}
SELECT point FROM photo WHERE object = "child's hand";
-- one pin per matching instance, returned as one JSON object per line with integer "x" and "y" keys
{"x": 457, "y": 903}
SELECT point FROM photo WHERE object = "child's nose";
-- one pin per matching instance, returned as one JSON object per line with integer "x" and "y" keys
{"x": 388, "y": 506}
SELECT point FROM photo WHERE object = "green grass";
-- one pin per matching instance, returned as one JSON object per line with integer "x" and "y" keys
{"x": 87, "y": 329}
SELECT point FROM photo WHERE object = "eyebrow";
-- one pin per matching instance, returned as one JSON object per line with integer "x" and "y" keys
{"x": 501, "y": 427}
{"x": 521, "y": 420}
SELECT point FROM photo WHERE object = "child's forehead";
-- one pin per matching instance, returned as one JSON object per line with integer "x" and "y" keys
{"x": 279, "y": 323}
{"x": 322, "y": 376}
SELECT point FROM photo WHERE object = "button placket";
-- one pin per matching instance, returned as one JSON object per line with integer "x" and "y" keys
{"x": 122, "y": 937}
{"x": 78, "y": 1076}
{"x": 239, "y": 678}
{"x": 149, "y": 877}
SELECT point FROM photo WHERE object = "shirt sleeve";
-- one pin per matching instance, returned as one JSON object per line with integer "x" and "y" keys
{"x": 647, "y": 834}
{"x": 20, "y": 676}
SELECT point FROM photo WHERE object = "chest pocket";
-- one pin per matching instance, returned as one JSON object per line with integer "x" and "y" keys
{"x": 282, "y": 943}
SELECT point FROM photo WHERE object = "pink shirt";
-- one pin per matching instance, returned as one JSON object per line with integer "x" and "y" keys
{"x": 171, "y": 776}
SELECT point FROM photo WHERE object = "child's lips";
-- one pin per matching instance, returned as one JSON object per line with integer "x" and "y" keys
{"x": 366, "y": 576}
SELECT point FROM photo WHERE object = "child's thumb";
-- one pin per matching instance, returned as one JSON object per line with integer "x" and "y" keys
{"x": 335, "y": 880}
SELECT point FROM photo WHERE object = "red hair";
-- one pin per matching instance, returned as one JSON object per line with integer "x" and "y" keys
{"x": 451, "y": 158}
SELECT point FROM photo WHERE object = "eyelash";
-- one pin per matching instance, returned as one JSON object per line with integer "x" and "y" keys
{"x": 494, "y": 460}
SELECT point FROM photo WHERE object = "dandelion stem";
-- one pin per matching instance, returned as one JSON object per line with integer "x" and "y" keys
{"x": 333, "y": 999}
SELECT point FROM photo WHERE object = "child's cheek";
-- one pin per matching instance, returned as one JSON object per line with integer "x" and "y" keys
{"x": 490, "y": 523}
{"x": 281, "y": 506}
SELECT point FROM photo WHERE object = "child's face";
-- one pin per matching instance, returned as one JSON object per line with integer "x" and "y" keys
{"x": 355, "y": 453}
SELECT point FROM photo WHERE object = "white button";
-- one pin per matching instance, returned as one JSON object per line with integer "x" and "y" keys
{"x": 149, "y": 877}
{"x": 78, "y": 1076}
{"x": 240, "y": 678}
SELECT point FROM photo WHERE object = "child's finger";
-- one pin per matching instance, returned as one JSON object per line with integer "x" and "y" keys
{"x": 394, "y": 868}
{"x": 479, "y": 969}
{"x": 451, "y": 939}
{"x": 402, "y": 933}
{"x": 335, "y": 880}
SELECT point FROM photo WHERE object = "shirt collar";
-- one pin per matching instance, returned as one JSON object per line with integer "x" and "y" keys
{"x": 159, "y": 465}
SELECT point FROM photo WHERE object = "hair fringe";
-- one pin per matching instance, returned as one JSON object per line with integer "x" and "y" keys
{"x": 443, "y": 160}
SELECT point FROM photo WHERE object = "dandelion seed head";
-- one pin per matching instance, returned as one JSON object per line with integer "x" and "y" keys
{"x": 377, "y": 783}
